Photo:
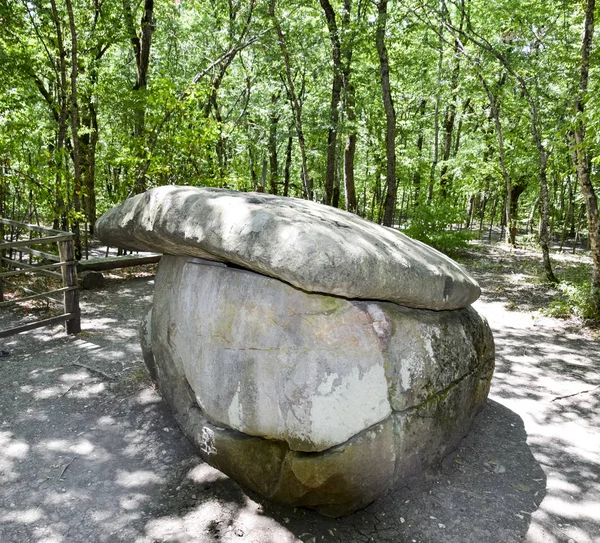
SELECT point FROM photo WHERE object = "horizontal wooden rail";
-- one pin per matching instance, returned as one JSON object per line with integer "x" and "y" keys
{"x": 39, "y": 324}
{"x": 37, "y": 296}
{"x": 44, "y": 294}
{"x": 32, "y": 227}
{"x": 36, "y": 241}
{"x": 115, "y": 262}
{"x": 41, "y": 254}
{"x": 33, "y": 268}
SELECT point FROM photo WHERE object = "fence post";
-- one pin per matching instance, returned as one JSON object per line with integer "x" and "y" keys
{"x": 66, "y": 250}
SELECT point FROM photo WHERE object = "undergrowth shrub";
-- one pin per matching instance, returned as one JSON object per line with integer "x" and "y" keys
{"x": 575, "y": 295}
{"x": 575, "y": 301}
{"x": 433, "y": 225}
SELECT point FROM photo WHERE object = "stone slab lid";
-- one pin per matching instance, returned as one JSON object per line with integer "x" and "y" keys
{"x": 314, "y": 247}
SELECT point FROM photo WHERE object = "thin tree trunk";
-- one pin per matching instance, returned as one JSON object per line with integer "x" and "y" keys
{"x": 220, "y": 146}
{"x": 569, "y": 217}
{"x": 482, "y": 205}
{"x": 336, "y": 90}
{"x": 91, "y": 176}
{"x": 583, "y": 163}
{"x": 532, "y": 215}
{"x": 349, "y": 154}
{"x": 253, "y": 176}
{"x": 390, "y": 115}
{"x": 75, "y": 133}
{"x": 539, "y": 143}
{"x": 91, "y": 125}
{"x": 263, "y": 177}
{"x": 510, "y": 220}
{"x": 296, "y": 105}
{"x": 62, "y": 189}
{"x": 470, "y": 211}
{"x": 436, "y": 119}
{"x": 544, "y": 214}
{"x": 288, "y": 167}
{"x": 449, "y": 121}
{"x": 141, "y": 49}
{"x": 350, "y": 109}
{"x": 273, "y": 163}
{"x": 420, "y": 141}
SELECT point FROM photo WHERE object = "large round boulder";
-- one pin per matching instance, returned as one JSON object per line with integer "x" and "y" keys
{"x": 313, "y": 356}
{"x": 311, "y": 399}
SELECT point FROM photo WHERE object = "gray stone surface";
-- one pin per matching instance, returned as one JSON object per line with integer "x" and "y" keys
{"x": 311, "y": 246}
{"x": 269, "y": 360}
{"x": 309, "y": 399}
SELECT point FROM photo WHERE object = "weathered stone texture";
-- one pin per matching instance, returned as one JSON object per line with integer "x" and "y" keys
{"x": 314, "y": 247}
{"x": 308, "y": 399}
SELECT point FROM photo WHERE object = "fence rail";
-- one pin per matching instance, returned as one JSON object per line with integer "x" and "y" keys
{"x": 65, "y": 261}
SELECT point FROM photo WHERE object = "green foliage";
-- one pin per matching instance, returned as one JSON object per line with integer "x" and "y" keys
{"x": 219, "y": 130}
{"x": 436, "y": 226}
{"x": 575, "y": 299}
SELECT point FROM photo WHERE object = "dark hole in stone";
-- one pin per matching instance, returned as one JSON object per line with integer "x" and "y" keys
{"x": 236, "y": 266}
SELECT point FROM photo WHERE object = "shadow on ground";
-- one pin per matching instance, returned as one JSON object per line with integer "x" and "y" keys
{"x": 485, "y": 491}
{"x": 89, "y": 452}
{"x": 548, "y": 374}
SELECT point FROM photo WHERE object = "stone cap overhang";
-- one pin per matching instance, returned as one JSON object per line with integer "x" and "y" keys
{"x": 312, "y": 246}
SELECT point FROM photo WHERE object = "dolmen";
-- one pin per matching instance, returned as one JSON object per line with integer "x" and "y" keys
{"x": 311, "y": 355}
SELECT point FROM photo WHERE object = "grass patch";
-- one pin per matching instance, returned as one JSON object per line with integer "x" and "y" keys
{"x": 575, "y": 294}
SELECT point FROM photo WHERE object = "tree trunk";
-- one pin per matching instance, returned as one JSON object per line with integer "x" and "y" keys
{"x": 273, "y": 163}
{"x": 141, "y": 49}
{"x": 288, "y": 167}
{"x": 349, "y": 153}
{"x": 420, "y": 141}
{"x": 62, "y": 188}
{"x": 583, "y": 163}
{"x": 470, "y": 211}
{"x": 253, "y": 176}
{"x": 75, "y": 133}
{"x": 449, "y": 120}
{"x": 91, "y": 165}
{"x": 544, "y": 215}
{"x": 296, "y": 105}
{"x": 512, "y": 210}
{"x": 220, "y": 146}
{"x": 336, "y": 90}
{"x": 350, "y": 109}
{"x": 89, "y": 140}
{"x": 263, "y": 177}
{"x": 436, "y": 118}
{"x": 390, "y": 115}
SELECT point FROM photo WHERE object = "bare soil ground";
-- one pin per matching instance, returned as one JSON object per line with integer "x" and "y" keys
{"x": 90, "y": 453}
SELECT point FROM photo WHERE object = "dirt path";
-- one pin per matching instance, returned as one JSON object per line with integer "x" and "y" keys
{"x": 89, "y": 452}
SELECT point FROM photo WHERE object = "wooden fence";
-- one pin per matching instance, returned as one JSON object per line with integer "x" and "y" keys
{"x": 61, "y": 266}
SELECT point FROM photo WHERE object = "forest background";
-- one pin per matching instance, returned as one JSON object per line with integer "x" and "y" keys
{"x": 444, "y": 118}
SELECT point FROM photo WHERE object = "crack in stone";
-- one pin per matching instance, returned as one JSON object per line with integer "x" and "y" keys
{"x": 441, "y": 394}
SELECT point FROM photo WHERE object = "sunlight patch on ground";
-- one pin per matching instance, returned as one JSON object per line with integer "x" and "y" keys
{"x": 81, "y": 447}
{"x": 203, "y": 473}
{"x": 216, "y": 521}
{"x": 138, "y": 478}
{"x": 148, "y": 396}
{"x": 27, "y": 516}
{"x": 11, "y": 450}
{"x": 133, "y": 501}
